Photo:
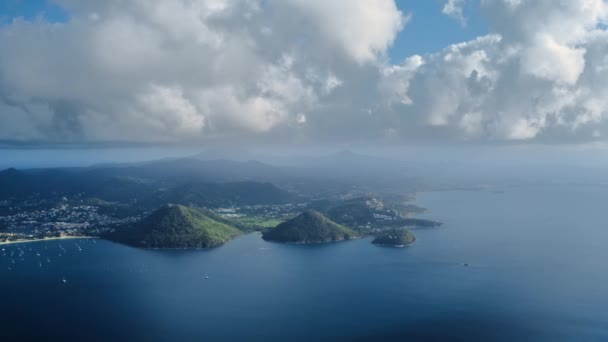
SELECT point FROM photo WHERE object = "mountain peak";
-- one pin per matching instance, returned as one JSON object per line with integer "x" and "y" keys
{"x": 310, "y": 227}
{"x": 177, "y": 226}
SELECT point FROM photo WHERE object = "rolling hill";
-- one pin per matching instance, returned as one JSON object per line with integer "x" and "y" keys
{"x": 310, "y": 227}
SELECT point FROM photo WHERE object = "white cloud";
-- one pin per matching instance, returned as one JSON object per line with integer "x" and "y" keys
{"x": 171, "y": 70}
{"x": 189, "y": 70}
{"x": 549, "y": 60}
{"x": 159, "y": 100}
{"x": 331, "y": 83}
{"x": 471, "y": 123}
{"x": 454, "y": 9}
{"x": 396, "y": 79}
{"x": 531, "y": 79}
{"x": 365, "y": 29}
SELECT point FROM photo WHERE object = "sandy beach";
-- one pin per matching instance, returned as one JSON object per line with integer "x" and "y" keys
{"x": 46, "y": 239}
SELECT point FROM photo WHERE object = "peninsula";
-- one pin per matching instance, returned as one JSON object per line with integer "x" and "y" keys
{"x": 397, "y": 237}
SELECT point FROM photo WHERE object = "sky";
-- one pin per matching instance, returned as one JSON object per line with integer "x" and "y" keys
{"x": 84, "y": 73}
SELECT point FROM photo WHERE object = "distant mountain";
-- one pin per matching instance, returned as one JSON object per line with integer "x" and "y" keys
{"x": 218, "y": 170}
{"x": 309, "y": 227}
{"x": 225, "y": 152}
{"x": 183, "y": 181}
{"x": 395, "y": 238}
{"x": 327, "y": 176}
{"x": 366, "y": 172}
{"x": 21, "y": 184}
{"x": 214, "y": 195}
{"x": 176, "y": 226}
{"x": 355, "y": 164}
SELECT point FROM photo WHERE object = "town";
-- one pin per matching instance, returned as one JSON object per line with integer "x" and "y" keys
{"x": 40, "y": 219}
{"x": 64, "y": 220}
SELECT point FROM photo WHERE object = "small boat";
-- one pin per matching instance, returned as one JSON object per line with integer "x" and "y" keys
{"x": 63, "y": 280}
{"x": 206, "y": 276}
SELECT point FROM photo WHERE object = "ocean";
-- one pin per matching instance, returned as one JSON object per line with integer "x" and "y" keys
{"x": 524, "y": 263}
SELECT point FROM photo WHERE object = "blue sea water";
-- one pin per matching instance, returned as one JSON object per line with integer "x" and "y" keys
{"x": 537, "y": 272}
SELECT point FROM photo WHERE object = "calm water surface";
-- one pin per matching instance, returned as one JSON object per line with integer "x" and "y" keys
{"x": 537, "y": 271}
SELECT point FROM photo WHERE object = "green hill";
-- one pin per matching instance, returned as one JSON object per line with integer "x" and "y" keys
{"x": 395, "y": 238}
{"x": 176, "y": 226}
{"x": 309, "y": 227}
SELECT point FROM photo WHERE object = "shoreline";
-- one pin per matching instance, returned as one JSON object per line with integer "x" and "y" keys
{"x": 47, "y": 239}
{"x": 395, "y": 246}
{"x": 315, "y": 243}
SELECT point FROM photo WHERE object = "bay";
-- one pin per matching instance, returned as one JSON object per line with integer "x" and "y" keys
{"x": 519, "y": 264}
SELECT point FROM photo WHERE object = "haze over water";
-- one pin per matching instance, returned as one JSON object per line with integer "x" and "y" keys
{"x": 536, "y": 259}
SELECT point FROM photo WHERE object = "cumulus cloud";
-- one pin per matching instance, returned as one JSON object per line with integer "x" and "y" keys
{"x": 190, "y": 70}
{"x": 529, "y": 79}
{"x": 454, "y": 9}
{"x": 184, "y": 70}
{"x": 364, "y": 28}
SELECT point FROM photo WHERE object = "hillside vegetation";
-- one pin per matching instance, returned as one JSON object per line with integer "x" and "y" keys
{"x": 310, "y": 227}
{"x": 395, "y": 238}
{"x": 176, "y": 226}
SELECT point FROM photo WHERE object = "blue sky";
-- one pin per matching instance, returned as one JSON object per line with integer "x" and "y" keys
{"x": 418, "y": 37}
{"x": 430, "y": 31}
{"x": 30, "y": 10}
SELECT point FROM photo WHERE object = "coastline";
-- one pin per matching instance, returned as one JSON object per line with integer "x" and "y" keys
{"x": 395, "y": 246}
{"x": 46, "y": 239}
{"x": 315, "y": 243}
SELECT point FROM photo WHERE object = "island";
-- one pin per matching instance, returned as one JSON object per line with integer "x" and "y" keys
{"x": 310, "y": 227}
{"x": 176, "y": 226}
{"x": 395, "y": 238}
